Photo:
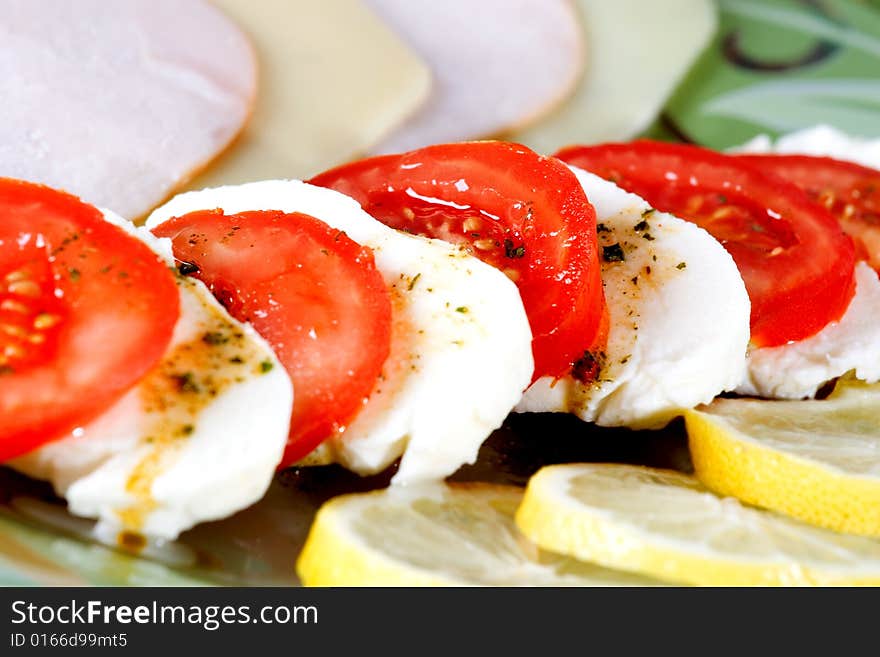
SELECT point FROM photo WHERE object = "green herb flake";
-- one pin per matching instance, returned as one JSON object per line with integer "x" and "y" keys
{"x": 413, "y": 282}
{"x": 74, "y": 274}
{"x": 647, "y": 213}
{"x": 214, "y": 338}
{"x": 462, "y": 309}
{"x": 512, "y": 251}
{"x": 266, "y": 366}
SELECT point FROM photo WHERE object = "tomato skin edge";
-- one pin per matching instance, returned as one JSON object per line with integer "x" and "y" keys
{"x": 814, "y": 272}
{"x": 500, "y": 179}
{"x": 308, "y": 296}
{"x": 101, "y": 275}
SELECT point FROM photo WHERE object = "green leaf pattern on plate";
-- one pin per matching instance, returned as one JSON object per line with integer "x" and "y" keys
{"x": 777, "y": 66}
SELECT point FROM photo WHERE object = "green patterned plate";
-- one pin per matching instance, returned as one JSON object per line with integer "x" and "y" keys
{"x": 774, "y": 67}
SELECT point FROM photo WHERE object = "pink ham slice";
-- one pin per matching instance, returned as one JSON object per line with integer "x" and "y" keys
{"x": 497, "y": 64}
{"x": 119, "y": 102}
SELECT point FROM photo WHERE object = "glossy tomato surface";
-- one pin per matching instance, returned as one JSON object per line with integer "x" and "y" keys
{"x": 85, "y": 311}
{"x": 519, "y": 211}
{"x": 312, "y": 292}
{"x": 796, "y": 262}
{"x": 849, "y": 191}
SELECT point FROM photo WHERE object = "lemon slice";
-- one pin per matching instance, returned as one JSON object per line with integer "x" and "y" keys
{"x": 458, "y": 535}
{"x": 818, "y": 461}
{"x": 667, "y": 525}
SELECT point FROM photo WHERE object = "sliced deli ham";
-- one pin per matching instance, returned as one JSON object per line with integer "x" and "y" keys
{"x": 497, "y": 64}
{"x": 119, "y": 102}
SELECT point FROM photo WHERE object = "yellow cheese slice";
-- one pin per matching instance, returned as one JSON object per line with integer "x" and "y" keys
{"x": 333, "y": 81}
{"x": 637, "y": 52}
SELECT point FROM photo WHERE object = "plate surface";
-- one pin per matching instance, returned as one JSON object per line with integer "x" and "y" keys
{"x": 774, "y": 67}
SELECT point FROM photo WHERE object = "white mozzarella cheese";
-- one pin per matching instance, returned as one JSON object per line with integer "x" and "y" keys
{"x": 852, "y": 344}
{"x": 198, "y": 438}
{"x": 679, "y": 319}
{"x": 461, "y": 343}
{"x": 820, "y": 140}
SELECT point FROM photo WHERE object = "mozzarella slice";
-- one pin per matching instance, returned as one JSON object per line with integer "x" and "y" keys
{"x": 679, "y": 319}
{"x": 461, "y": 343}
{"x": 197, "y": 439}
{"x": 799, "y": 369}
{"x": 852, "y": 344}
{"x": 823, "y": 140}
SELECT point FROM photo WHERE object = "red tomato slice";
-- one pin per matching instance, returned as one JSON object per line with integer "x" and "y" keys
{"x": 850, "y": 191}
{"x": 312, "y": 292}
{"x": 514, "y": 209}
{"x": 796, "y": 262}
{"x": 85, "y": 311}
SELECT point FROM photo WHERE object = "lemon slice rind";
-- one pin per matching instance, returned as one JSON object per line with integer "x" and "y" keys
{"x": 666, "y": 525}
{"x": 770, "y": 473}
{"x": 456, "y": 535}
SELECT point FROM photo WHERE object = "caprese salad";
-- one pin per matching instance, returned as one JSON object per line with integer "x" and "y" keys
{"x": 396, "y": 309}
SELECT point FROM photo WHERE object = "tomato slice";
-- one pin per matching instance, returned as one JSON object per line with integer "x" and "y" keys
{"x": 85, "y": 311}
{"x": 312, "y": 292}
{"x": 850, "y": 191}
{"x": 796, "y": 262}
{"x": 514, "y": 209}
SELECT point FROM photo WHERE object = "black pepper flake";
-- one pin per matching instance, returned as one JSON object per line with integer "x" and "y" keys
{"x": 266, "y": 366}
{"x": 647, "y": 213}
{"x": 186, "y": 382}
{"x": 236, "y": 360}
{"x": 187, "y": 429}
{"x": 681, "y": 265}
{"x": 613, "y": 253}
{"x": 602, "y": 228}
{"x": 414, "y": 280}
{"x": 648, "y": 237}
{"x": 512, "y": 251}
{"x": 642, "y": 226}
{"x": 186, "y": 268}
{"x": 74, "y": 274}
{"x": 587, "y": 367}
